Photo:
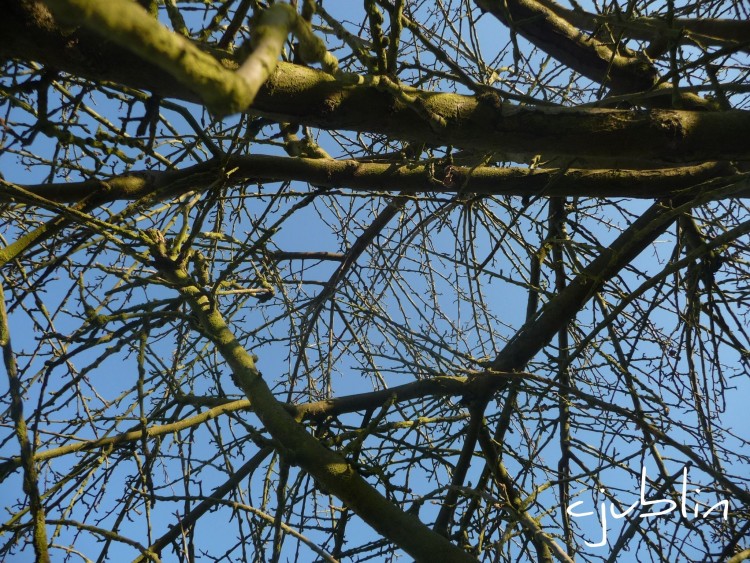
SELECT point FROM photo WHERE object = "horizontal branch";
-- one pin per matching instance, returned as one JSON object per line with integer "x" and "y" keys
{"x": 219, "y": 409}
{"x": 282, "y": 255}
{"x": 485, "y": 123}
{"x": 432, "y": 387}
{"x": 380, "y": 177}
{"x": 699, "y": 31}
{"x": 311, "y": 97}
{"x": 438, "y": 386}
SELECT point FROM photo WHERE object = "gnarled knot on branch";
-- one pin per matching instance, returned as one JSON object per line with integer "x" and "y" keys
{"x": 169, "y": 258}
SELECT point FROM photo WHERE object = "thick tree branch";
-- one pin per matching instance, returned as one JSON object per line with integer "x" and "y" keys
{"x": 554, "y": 34}
{"x": 331, "y": 470}
{"x": 311, "y": 97}
{"x": 557, "y": 37}
{"x": 378, "y": 177}
{"x": 702, "y": 32}
{"x": 130, "y": 26}
{"x": 538, "y": 331}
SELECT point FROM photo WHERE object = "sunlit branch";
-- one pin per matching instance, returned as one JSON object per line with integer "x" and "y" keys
{"x": 403, "y": 177}
{"x": 297, "y": 446}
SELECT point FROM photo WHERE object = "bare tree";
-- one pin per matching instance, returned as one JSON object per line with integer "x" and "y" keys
{"x": 445, "y": 280}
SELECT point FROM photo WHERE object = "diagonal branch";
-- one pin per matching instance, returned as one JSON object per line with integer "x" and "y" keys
{"x": 557, "y": 37}
{"x": 562, "y": 308}
{"x": 130, "y": 26}
{"x": 207, "y": 504}
{"x": 553, "y": 33}
{"x": 364, "y": 240}
{"x": 546, "y": 546}
{"x": 331, "y": 470}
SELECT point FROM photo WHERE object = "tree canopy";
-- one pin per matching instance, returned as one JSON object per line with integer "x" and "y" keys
{"x": 446, "y": 280}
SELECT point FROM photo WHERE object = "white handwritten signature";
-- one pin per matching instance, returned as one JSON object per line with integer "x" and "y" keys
{"x": 670, "y": 507}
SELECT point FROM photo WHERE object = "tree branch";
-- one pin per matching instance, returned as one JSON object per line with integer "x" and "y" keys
{"x": 379, "y": 177}
{"x": 300, "y": 448}
{"x": 554, "y": 34}
{"x": 128, "y": 25}
{"x": 538, "y": 331}
{"x": 702, "y": 32}
{"x": 311, "y": 97}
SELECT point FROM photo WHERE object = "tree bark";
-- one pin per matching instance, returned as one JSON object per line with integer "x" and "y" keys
{"x": 295, "y": 93}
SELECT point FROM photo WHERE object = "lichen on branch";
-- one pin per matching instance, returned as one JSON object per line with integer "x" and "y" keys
{"x": 223, "y": 91}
